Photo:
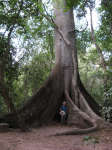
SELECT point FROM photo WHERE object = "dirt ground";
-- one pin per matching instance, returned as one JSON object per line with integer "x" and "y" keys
{"x": 43, "y": 139}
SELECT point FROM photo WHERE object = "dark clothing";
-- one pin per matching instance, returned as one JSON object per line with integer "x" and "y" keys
{"x": 65, "y": 116}
{"x": 64, "y": 108}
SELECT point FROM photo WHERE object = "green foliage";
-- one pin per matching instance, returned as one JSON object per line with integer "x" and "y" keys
{"x": 32, "y": 76}
{"x": 83, "y": 41}
{"x": 107, "y": 105}
{"x": 91, "y": 73}
{"x": 8, "y": 66}
{"x": 72, "y": 3}
{"x": 20, "y": 19}
{"x": 105, "y": 32}
{"x": 91, "y": 140}
{"x": 2, "y": 106}
{"x": 37, "y": 71}
{"x": 90, "y": 66}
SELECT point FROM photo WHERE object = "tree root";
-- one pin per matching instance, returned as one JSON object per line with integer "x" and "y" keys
{"x": 95, "y": 125}
{"x": 78, "y": 131}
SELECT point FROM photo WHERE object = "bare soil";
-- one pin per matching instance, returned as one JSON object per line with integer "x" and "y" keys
{"x": 43, "y": 139}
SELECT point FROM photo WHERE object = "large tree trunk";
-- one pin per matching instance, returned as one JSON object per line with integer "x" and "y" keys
{"x": 63, "y": 83}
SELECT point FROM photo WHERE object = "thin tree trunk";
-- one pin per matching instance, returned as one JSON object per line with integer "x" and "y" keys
{"x": 103, "y": 63}
{"x": 5, "y": 92}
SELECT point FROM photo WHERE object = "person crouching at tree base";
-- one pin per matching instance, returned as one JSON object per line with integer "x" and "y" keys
{"x": 64, "y": 112}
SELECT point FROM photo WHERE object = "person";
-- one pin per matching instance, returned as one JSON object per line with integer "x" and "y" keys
{"x": 63, "y": 112}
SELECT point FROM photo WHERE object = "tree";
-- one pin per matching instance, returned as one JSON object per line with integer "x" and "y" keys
{"x": 63, "y": 83}
{"x": 99, "y": 50}
{"x": 11, "y": 21}
{"x": 8, "y": 69}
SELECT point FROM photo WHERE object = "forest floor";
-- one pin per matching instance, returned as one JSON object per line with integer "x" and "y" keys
{"x": 43, "y": 139}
